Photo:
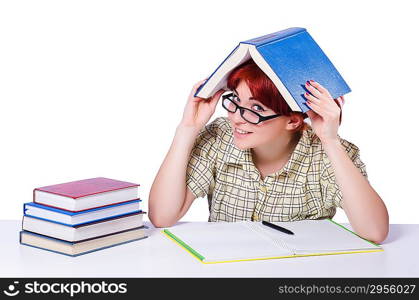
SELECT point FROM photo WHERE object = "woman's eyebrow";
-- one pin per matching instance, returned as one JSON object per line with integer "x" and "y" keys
{"x": 256, "y": 100}
{"x": 250, "y": 98}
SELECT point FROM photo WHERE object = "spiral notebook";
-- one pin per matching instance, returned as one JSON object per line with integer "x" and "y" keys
{"x": 220, "y": 242}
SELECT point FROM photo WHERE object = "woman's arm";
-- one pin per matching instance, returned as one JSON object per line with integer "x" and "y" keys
{"x": 168, "y": 191}
{"x": 365, "y": 209}
{"x": 169, "y": 197}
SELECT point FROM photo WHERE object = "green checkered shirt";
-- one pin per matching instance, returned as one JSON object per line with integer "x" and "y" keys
{"x": 304, "y": 188}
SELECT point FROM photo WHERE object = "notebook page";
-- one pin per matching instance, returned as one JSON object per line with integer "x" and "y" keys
{"x": 223, "y": 241}
{"x": 319, "y": 236}
{"x": 272, "y": 237}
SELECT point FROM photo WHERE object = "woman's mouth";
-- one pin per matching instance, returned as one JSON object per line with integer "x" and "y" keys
{"x": 241, "y": 133}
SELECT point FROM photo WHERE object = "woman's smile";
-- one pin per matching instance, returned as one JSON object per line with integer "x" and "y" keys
{"x": 238, "y": 133}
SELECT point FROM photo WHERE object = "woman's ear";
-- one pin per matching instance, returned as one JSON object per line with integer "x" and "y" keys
{"x": 295, "y": 121}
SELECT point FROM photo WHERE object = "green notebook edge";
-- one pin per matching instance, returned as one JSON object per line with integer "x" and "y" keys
{"x": 184, "y": 245}
{"x": 377, "y": 245}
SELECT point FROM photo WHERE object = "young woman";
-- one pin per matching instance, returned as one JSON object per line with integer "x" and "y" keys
{"x": 264, "y": 162}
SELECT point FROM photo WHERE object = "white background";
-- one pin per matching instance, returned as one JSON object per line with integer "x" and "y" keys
{"x": 97, "y": 88}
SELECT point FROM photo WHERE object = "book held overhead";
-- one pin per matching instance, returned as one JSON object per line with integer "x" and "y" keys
{"x": 289, "y": 58}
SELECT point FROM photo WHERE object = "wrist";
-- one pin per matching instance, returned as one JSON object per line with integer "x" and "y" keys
{"x": 331, "y": 143}
{"x": 185, "y": 136}
{"x": 188, "y": 128}
{"x": 187, "y": 131}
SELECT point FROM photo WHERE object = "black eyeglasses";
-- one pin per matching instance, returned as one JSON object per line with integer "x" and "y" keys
{"x": 248, "y": 115}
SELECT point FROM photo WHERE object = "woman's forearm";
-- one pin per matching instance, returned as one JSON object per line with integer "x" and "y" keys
{"x": 365, "y": 209}
{"x": 167, "y": 193}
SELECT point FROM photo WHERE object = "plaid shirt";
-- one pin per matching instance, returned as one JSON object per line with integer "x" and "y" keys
{"x": 305, "y": 188}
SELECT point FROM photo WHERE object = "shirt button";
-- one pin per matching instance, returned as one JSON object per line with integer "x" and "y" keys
{"x": 263, "y": 188}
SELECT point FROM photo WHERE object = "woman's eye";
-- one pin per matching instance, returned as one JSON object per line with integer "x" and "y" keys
{"x": 236, "y": 99}
{"x": 258, "y": 108}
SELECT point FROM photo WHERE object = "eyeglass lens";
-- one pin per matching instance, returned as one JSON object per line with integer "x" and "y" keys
{"x": 248, "y": 115}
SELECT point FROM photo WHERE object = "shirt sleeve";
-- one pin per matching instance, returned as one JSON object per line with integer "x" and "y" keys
{"x": 332, "y": 195}
{"x": 201, "y": 166}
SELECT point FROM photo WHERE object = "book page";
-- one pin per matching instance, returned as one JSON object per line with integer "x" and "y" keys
{"x": 318, "y": 236}
{"x": 223, "y": 241}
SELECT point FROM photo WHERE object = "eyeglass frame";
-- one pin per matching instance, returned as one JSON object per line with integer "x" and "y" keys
{"x": 242, "y": 109}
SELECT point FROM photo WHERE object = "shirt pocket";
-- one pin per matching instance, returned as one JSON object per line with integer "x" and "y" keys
{"x": 234, "y": 194}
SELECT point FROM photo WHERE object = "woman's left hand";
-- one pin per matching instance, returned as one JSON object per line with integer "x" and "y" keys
{"x": 326, "y": 112}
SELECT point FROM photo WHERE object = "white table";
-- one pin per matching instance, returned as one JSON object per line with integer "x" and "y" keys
{"x": 157, "y": 256}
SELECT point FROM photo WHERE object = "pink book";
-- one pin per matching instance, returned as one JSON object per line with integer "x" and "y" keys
{"x": 86, "y": 194}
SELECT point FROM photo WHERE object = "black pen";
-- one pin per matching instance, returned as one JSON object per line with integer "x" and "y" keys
{"x": 282, "y": 229}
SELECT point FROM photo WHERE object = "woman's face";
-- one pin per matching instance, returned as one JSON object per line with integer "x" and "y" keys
{"x": 248, "y": 135}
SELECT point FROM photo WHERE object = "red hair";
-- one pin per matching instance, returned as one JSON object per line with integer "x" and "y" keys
{"x": 262, "y": 88}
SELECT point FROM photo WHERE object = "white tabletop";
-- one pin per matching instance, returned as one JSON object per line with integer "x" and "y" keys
{"x": 158, "y": 256}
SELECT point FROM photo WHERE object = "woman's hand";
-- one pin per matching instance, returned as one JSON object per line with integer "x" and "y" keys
{"x": 198, "y": 111}
{"x": 326, "y": 113}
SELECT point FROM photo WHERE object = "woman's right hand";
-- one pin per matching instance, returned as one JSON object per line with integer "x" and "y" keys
{"x": 198, "y": 111}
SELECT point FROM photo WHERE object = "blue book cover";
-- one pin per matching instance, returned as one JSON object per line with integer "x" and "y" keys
{"x": 289, "y": 58}
{"x": 68, "y": 218}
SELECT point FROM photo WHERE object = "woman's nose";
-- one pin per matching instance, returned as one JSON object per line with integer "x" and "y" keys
{"x": 236, "y": 117}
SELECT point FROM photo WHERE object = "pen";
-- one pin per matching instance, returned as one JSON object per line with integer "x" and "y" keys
{"x": 282, "y": 229}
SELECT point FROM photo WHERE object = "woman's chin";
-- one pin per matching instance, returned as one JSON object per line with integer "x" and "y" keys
{"x": 241, "y": 145}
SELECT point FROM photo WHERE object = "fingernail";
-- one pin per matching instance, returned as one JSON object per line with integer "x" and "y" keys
{"x": 307, "y": 94}
{"x": 307, "y": 82}
{"x": 311, "y": 81}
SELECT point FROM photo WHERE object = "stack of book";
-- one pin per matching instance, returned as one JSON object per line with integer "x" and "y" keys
{"x": 80, "y": 217}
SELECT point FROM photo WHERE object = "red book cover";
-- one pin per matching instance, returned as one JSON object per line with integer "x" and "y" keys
{"x": 86, "y": 187}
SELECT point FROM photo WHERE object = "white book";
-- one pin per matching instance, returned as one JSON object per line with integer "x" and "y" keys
{"x": 218, "y": 242}
{"x": 82, "y": 232}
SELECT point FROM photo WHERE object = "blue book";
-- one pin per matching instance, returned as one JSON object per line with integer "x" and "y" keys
{"x": 81, "y": 247}
{"x": 68, "y": 218}
{"x": 289, "y": 58}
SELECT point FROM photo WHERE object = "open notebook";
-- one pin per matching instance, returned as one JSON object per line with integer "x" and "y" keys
{"x": 218, "y": 242}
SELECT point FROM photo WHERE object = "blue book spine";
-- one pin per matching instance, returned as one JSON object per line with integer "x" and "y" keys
{"x": 69, "y": 213}
{"x": 279, "y": 35}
